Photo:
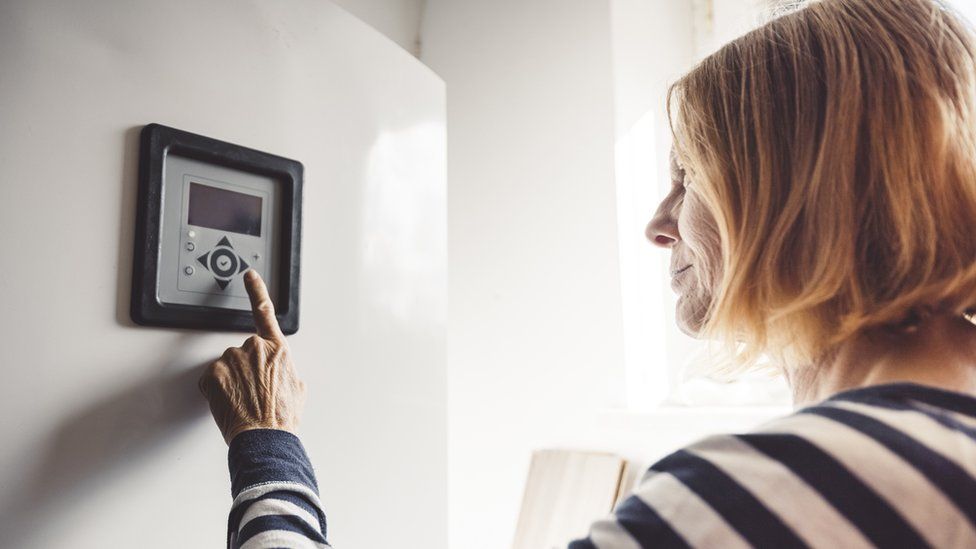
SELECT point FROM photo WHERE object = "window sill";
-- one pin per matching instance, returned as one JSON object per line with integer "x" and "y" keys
{"x": 680, "y": 411}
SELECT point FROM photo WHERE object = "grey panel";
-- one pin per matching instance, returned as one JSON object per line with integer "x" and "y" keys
{"x": 204, "y": 266}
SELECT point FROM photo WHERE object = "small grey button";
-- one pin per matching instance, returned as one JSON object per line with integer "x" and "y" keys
{"x": 188, "y": 270}
{"x": 190, "y": 246}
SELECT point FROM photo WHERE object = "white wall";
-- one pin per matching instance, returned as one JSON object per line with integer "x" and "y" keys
{"x": 399, "y": 20}
{"x": 538, "y": 92}
{"x": 719, "y": 21}
{"x": 534, "y": 289}
{"x": 106, "y": 440}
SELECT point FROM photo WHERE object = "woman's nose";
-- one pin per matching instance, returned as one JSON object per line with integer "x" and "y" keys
{"x": 662, "y": 230}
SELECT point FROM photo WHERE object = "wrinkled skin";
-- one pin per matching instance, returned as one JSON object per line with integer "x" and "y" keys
{"x": 683, "y": 224}
{"x": 255, "y": 386}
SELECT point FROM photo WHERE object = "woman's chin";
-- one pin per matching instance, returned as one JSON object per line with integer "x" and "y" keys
{"x": 689, "y": 316}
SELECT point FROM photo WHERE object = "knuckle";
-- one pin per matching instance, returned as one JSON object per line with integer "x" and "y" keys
{"x": 211, "y": 373}
{"x": 253, "y": 341}
{"x": 222, "y": 376}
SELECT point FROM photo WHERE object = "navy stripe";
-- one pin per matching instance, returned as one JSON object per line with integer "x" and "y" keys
{"x": 646, "y": 526}
{"x": 948, "y": 477}
{"x": 278, "y": 522}
{"x": 585, "y": 543}
{"x": 293, "y": 497}
{"x": 936, "y": 415}
{"x": 865, "y": 509}
{"x": 746, "y": 514}
{"x": 940, "y": 398}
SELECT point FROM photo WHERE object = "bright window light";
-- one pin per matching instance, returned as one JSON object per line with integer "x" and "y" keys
{"x": 966, "y": 7}
{"x": 643, "y": 270}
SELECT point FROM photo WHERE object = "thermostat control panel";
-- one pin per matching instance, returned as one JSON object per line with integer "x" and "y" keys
{"x": 207, "y": 212}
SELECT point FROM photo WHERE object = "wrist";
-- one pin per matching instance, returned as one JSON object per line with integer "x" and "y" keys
{"x": 232, "y": 433}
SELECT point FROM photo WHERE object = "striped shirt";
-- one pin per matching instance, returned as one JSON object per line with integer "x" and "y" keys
{"x": 276, "y": 501}
{"x": 885, "y": 466}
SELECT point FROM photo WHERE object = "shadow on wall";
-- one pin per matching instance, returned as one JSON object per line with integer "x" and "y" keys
{"x": 120, "y": 431}
{"x": 98, "y": 442}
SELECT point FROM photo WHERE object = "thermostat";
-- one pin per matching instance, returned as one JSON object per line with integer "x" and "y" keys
{"x": 207, "y": 212}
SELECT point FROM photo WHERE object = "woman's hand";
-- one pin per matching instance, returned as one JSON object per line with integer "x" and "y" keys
{"x": 254, "y": 386}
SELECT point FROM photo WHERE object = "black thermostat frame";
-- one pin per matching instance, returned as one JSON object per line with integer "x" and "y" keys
{"x": 158, "y": 141}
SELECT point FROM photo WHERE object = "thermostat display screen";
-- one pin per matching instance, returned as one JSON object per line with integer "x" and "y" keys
{"x": 224, "y": 210}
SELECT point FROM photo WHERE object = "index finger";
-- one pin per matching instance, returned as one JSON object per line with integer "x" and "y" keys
{"x": 262, "y": 308}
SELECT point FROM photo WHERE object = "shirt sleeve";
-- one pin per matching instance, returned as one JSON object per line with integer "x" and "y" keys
{"x": 276, "y": 500}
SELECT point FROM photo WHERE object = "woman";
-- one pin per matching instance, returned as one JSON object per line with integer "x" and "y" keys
{"x": 821, "y": 213}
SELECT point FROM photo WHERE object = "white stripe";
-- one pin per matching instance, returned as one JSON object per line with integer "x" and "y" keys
{"x": 906, "y": 490}
{"x": 259, "y": 490}
{"x": 267, "y": 507}
{"x": 789, "y": 497}
{"x": 281, "y": 538}
{"x": 609, "y": 534}
{"x": 686, "y": 513}
{"x": 953, "y": 445}
{"x": 964, "y": 419}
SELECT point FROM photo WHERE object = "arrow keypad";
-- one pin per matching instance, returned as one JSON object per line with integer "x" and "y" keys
{"x": 223, "y": 262}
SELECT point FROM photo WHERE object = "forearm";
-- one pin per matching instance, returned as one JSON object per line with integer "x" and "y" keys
{"x": 276, "y": 501}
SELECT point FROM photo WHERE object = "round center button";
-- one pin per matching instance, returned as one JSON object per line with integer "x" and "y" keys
{"x": 223, "y": 262}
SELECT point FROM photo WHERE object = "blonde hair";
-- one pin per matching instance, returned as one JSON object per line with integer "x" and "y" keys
{"x": 835, "y": 147}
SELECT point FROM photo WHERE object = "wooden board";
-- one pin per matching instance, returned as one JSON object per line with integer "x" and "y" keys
{"x": 565, "y": 492}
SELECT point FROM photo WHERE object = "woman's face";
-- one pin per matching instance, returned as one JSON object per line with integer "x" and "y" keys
{"x": 683, "y": 224}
